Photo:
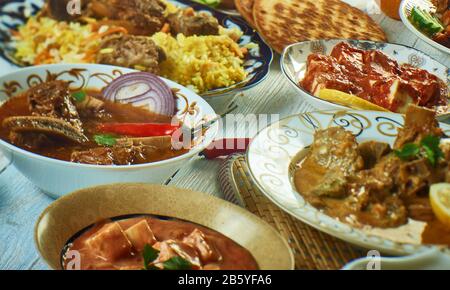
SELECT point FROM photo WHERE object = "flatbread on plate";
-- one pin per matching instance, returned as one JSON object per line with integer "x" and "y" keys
{"x": 245, "y": 8}
{"x": 283, "y": 22}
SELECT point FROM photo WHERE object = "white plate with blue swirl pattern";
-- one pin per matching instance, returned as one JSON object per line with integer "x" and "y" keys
{"x": 273, "y": 154}
{"x": 294, "y": 64}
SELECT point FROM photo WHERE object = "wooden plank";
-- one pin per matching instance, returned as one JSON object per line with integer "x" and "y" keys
{"x": 20, "y": 205}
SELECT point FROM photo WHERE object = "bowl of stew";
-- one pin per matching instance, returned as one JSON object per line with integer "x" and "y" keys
{"x": 155, "y": 227}
{"x": 67, "y": 127}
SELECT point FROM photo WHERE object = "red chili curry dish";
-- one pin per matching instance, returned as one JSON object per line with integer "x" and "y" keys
{"x": 375, "y": 77}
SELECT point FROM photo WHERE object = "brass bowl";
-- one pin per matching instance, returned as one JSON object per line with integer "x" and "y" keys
{"x": 80, "y": 209}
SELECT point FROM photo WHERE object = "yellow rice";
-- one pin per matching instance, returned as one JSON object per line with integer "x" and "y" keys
{"x": 59, "y": 41}
{"x": 201, "y": 63}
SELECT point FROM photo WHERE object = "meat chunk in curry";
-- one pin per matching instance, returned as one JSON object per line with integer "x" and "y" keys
{"x": 333, "y": 157}
{"x": 371, "y": 184}
{"x": 52, "y": 99}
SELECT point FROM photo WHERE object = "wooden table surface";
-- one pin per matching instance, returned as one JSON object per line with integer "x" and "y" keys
{"x": 21, "y": 202}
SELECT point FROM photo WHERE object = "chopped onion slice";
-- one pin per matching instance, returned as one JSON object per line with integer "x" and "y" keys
{"x": 144, "y": 90}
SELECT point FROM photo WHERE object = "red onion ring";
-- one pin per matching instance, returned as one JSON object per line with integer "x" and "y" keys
{"x": 142, "y": 89}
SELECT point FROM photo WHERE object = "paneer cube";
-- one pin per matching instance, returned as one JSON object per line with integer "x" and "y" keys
{"x": 208, "y": 253}
{"x": 140, "y": 234}
{"x": 110, "y": 243}
{"x": 171, "y": 248}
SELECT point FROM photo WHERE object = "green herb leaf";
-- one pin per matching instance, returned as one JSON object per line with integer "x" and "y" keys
{"x": 430, "y": 155}
{"x": 428, "y": 148}
{"x": 105, "y": 139}
{"x": 408, "y": 151}
{"x": 79, "y": 96}
{"x": 149, "y": 254}
{"x": 210, "y": 3}
{"x": 433, "y": 152}
{"x": 431, "y": 141}
{"x": 177, "y": 263}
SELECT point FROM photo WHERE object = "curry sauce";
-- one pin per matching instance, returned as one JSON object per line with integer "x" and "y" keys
{"x": 373, "y": 186}
{"x": 62, "y": 149}
{"x": 119, "y": 244}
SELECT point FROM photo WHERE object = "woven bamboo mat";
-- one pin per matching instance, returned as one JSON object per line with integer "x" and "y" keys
{"x": 313, "y": 250}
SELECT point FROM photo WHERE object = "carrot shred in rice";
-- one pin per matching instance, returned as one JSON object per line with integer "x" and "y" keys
{"x": 166, "y": 28}
{"x": 43, "y": 57}
{"x": 112, "y": 30}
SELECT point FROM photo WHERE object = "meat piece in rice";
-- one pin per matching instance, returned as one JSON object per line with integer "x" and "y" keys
{"x": 189, "y": 22}
{"x": 142, "y": 17}
{"x": 138, "y": 52}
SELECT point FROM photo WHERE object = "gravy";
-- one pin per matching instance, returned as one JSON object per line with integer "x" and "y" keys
{"x": 113, "y": 113}
{"x": 226, "y": 254}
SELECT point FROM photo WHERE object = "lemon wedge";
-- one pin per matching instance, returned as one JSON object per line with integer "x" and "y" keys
{"x": 440, "y": 202}
{"x": 348, "y": 100}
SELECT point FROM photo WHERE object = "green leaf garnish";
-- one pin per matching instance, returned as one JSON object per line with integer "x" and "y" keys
{"x": 79, "y": 96}
{"x": 408, "y": 151}
{"x": 210, "y": 3}
{"x": 105, "y": 140}
{"x": 433, "y": 152}
{"x": 149, "y": 254}
{"x": 430, "y": 155}
{"x": 428, "y": 148}
{"x": 177, "y": 263}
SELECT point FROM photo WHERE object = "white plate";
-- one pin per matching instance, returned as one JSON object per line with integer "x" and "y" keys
{"x": 295, "y": 56}
{"x": 271, "y": 159}
{"x": 405, "y": 10}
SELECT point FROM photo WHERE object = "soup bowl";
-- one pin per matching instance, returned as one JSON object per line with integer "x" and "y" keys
{"x": 67, "y": 216}
{"x": 56, "y": 177}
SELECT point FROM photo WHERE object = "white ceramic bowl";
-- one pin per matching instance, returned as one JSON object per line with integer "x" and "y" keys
{"x": 56, "y": 177}
{"x": 405, "y": 11}
{"x": 294, "y": 64}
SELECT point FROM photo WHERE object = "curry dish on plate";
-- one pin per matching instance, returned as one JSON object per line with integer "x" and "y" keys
{"x": 372, "y": 184}
{"x": 375, "y": 77}
{"x": 154, "y": 243}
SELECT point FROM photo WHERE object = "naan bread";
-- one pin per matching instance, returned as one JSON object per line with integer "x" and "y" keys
{"x": 245, "y": 8}
{"x": 283, "y": 22}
